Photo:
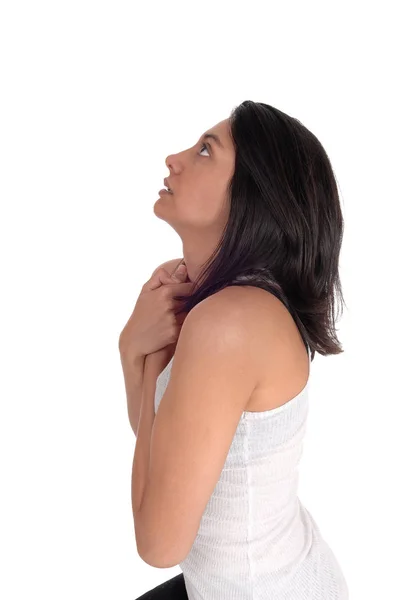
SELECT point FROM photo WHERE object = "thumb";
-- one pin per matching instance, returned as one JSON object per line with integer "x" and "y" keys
{"x": 180, "y": 273}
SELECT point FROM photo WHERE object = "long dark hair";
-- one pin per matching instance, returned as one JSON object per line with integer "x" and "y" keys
{"x": 285, "y": 225}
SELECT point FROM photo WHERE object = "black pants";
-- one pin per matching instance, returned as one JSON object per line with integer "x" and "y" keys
{"x": 173, "y": 589}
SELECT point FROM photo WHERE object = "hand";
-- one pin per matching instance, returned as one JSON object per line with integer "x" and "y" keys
{"x": 153, "y": 324}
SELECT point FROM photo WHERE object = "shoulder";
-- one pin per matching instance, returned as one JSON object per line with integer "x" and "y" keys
{"x": 233, "y": 305}
{"x": 241, "y": 305}
{"x": 241, "y": 320}
{"x": 211, "y": 381}
{"x": 252, "y": 322}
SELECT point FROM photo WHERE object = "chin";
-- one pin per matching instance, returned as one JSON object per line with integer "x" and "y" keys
{"x": 155, "y": 208}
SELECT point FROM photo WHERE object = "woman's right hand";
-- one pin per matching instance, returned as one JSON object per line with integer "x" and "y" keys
{"x": 153, "y": 324}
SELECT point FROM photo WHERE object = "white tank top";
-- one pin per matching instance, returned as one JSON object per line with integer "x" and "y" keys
{"x": 256, "y": 540}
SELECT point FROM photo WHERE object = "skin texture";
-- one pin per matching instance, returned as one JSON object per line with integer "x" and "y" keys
{"x": 212, "y": 377}
{"x": 237, "y": 347}
{"x": 198, "y": 209}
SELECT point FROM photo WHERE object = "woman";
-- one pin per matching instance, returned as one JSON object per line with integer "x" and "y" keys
{"x": 255, "y": 203}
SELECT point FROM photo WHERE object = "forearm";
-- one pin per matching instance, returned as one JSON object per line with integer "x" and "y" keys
{"x": 154, "y": 364}
{"x": 133, "y": 376}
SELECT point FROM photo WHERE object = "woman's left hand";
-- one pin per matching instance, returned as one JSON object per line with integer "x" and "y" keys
{"x": 156, "y": 361}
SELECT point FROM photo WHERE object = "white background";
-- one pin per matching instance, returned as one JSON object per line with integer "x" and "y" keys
{"x": 94, "y": 96}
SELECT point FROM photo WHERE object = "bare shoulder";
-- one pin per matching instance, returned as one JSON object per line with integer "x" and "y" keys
{"x": 263, "y": 307}
{"x": 250, "y": 317}
{"x": 277, "y": 347}
{"x": 238, "y": 302}
{"x": 269, "y": 326}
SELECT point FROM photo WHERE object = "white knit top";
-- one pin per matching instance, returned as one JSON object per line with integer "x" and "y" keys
{"x": 256, "y": 540}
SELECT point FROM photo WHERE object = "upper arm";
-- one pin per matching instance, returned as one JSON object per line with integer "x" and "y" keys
{"x": 213, "y": 375}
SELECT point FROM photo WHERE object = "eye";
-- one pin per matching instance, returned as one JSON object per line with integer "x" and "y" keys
{"x": 204, "y": 146}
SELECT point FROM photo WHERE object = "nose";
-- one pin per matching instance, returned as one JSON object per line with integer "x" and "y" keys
{"x": 170, "y": 161}
{"x": 174, "y": 162}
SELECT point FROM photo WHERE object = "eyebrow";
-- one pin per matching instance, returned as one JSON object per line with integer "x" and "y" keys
{"x": 214, "y": 137}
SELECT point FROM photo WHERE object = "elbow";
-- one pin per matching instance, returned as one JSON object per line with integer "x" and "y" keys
{"x": 159, "y": 549}
{"x": 157, "y": 561}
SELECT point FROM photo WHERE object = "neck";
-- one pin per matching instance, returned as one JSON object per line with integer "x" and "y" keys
{"x": 195, "y": 257}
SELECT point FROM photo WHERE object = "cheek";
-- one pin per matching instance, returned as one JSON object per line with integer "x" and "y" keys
{"x": 203, "y": 206}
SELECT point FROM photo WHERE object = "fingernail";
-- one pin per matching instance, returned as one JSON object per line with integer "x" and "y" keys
{"x": 180, "y": 271}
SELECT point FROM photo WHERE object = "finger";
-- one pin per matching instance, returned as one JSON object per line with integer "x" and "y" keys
{"x": 181, "y": 289}
{"x": 180, "y": 273}
{"x": 182, "y": 262}
{"x": 184, "y": 287}
{"x": 160, "y": 278}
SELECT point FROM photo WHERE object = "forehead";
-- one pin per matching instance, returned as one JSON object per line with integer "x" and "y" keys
{"x": 222, "y": 131}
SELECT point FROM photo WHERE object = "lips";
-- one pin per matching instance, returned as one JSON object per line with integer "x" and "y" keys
{"x": 166, "y": 182}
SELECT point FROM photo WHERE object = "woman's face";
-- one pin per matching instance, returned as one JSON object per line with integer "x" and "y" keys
{"x": 199, "y": 177}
